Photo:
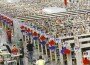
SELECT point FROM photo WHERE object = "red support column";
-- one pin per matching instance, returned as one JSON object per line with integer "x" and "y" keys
{"x": 65, "y": 2}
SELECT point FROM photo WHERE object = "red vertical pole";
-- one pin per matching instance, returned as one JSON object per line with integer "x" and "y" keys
{"x": 65, "y": 2}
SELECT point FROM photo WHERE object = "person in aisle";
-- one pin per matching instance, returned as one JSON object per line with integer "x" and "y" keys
{"x": 86, "y": 61}
{"x": 9, "y": 35}
{"x": 30, "y": 51}
{"x": 40, "y": 61}
{"x": 14, "y": 50}
{"x": 20, "y": 43}
{"x": 22, "y": 55}
{"x": 8, "y": 48}
{"x": 1, "y": 60}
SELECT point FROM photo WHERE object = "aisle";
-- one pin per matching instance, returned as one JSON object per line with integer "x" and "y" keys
{"x": 26, "y": 55}
{"x": 3, "y": 38}
{"x": 35, "y": 57}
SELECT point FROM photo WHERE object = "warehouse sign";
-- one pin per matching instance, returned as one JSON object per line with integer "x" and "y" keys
{"x": 86, "y": 54}
{"x": 76, "y": 48}
{"x": 58, "y": 40}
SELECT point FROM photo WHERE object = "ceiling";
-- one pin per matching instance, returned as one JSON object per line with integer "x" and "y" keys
{"x": 28, "y": 8}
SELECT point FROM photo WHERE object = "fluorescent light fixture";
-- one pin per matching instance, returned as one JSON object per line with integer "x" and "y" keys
{"x": 50, "y": 10}
{"x": 12, "y": 1}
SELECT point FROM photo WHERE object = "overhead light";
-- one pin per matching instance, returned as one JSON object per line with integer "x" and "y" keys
{"x": 12, "y": 1}
{"x": 50, "y": 10}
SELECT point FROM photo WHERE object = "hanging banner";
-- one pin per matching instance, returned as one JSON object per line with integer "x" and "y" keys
{"x": 51, "y": 42}
{"x": 57, "y": 40}
{"x": 65, "y": 44}
{"x": 76, "y": 48}
{"x": 77, "y": 44}
{"x": 86, "y": 54}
